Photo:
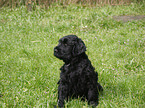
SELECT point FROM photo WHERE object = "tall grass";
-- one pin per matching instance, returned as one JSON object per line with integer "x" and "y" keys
{"x": 29, "y": 72}
{"x": 47, "y": 3}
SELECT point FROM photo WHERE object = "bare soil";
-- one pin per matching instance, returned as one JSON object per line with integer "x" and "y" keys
{"x": 129, "y": 18}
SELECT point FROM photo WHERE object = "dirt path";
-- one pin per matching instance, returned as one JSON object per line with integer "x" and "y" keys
{"x": 129, "y": 18}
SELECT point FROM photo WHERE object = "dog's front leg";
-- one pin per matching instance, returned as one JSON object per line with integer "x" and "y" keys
{"x": 93, "y": 97}
{"x": 62, "y": 95}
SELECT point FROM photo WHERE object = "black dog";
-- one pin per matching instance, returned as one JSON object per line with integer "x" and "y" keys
{"x": 77, "y": 77}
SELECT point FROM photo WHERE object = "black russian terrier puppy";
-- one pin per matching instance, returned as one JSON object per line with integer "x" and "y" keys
{"x": 78, "y": 77}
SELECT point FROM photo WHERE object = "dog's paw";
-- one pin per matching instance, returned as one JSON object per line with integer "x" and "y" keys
{"x": 55, "y": 106}
{"x": 93, "y": 104}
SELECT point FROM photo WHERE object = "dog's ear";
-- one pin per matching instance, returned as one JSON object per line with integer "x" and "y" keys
{"x": 79, "y": 47}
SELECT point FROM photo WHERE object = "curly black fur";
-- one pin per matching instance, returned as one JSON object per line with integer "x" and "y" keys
{"x": 78, "y": 77}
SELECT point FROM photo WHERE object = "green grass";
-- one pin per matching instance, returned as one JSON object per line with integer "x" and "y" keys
{"x": 29, "y": 72}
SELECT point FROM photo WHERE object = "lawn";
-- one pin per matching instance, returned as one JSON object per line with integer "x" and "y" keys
{"x": 29, "y": 72}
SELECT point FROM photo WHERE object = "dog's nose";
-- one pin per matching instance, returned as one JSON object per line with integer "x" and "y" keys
{"x": 55, "y": 49}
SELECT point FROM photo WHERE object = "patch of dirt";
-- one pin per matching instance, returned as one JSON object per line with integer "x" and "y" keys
{"x": 129, "y": 18}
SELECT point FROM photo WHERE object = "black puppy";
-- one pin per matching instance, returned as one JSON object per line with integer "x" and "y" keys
{"x": 78, "y": 77}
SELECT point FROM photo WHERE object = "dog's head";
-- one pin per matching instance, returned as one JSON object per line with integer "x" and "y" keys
{"x": 69, "y": 46}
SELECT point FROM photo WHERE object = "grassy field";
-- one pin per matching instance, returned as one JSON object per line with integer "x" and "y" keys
{"x": 29, "y": 72}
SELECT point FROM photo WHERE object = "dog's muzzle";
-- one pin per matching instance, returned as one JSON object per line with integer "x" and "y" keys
{"x": 55, "y": 50}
